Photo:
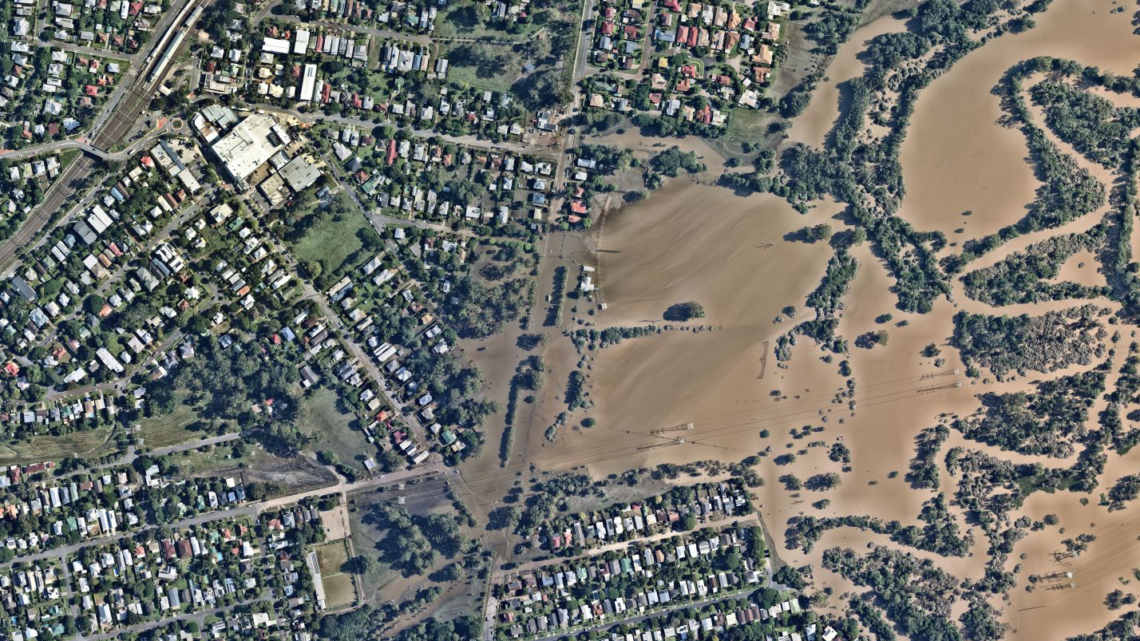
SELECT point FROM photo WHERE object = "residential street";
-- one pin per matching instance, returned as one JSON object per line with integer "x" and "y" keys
{"x": 249, "y": 509}
{"x": 115, "y": 120}
{"x": 469, "y": 141}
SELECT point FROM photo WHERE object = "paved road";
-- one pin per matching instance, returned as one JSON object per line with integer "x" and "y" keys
{"x": 198, "y": 617}
{"x": 468, "y": 141}
{"x": 580, "y": 631}
{"x": 58, "y": 145}
{"x": 580, "y": 63}
{"x": 753, "y": 518}
{"x": 67, "y": 185}
{"x": 105, "y": 287}
{"x": 115, "y": 120}
{"x": 193, "y": 445}
{"x": 380, "y": 221}
{"x": 92, "y": 51}
{"x": 249, "y": 509}
{"x": 424, "y": 40}
{"x": 365, "y": 360}
{"x": 86, "y": 147}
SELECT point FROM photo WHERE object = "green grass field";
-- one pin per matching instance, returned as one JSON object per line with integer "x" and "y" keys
{"x": 67, "y": 156}
{"x": 193, "y": 463}
{"x": 332, "y": 556}
{"x": 468, "y": 76}
{"x": 340, "y": 589}
{"x": 460, "y": 21}
{"x": 744, "y": 125}
{"x": 364, "y": 541}
{"x": 165, "y": 431}
{"x": 323, "y": 418}
{"x": 88, "y": 444}
{"x": 332, "y": 240}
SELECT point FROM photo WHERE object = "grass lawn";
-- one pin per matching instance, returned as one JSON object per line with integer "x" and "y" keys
{"x": 165, "y": 431}
{"x": 332, "y": 240}
{"x": 88, "y": 444}
{"x": 68, "y": 155}
{"x": 468, "y": 76}
{"x": 460, "y": 21}
{"x": 339, "y": 591}
{"x": 364, "y": 541}
{"x": 334, "y": 429}
{"x": 220, "y": 458}
{"x": 332, "y": 556}
{"x": 744, "y": 125}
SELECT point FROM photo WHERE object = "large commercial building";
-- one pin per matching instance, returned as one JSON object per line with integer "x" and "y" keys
{"x": 247, "y": 147}
{"x": 299, "y": 174}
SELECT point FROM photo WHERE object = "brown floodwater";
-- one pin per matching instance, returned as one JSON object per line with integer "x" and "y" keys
{"x": 692, "y": 242}
{"x": 957, "y": 159}
{"x": 811, "y": 127}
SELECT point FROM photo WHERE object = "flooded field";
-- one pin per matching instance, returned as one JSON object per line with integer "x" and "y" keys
{"x": 963, "y": 169}
{"x": 712, "y": 388}
{"x": 690, "y": 242}
{"x": 812, "y": 125}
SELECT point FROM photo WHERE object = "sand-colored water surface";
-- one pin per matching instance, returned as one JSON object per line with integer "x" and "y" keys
{"x": 692, "y": 242}
{"x": 957, "y": 159}
{"x": 816, "y": 121}
{"x": 737, "y": 257}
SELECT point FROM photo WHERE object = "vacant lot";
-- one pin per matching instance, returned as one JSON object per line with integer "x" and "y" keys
{"x": 87, "y": 444}
{"x": 332, "y": 556}
{"x": 335, "y": 523}
{"x": 462, "y": 20}
{"x": 467, "y": 68}
{"x": 334, "y": 429}
{"x": 172, "y": 429}
{"x": 219, "y": 459}
{"x": 332, "y": 239}
{"x": 288, "y": 476}
{"x": 340, "y": 589}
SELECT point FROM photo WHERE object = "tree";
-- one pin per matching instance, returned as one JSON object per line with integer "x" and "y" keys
{"x": 671, "y": 161}
{"x": 93, "y": 304}
{"x": 682, "y": 312}
{"x": 487, "y": 59}
{"x": 359, "y": 564}
{"x": 542, "y": 89}
{"x": 197, "y": 325}
{"x": 822, "y": 481}
{"x": 531, "y": 341}
{"x": 312, "y": 269}
{"x": 503, "y": 518}
{"x": 790, "y": 577}
{"x": 817, "y": 233}
{"x": 452, "y": 573}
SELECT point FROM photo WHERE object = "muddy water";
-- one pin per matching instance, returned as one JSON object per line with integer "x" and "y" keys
{"x": 685, "y": 242}
{"x": 957, "y": 159}
{"x": 691, "y": 242}
{"x": 812, "y": 125}
{"x": 645, "y": 147}
{"x": 1081, "y": 268}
